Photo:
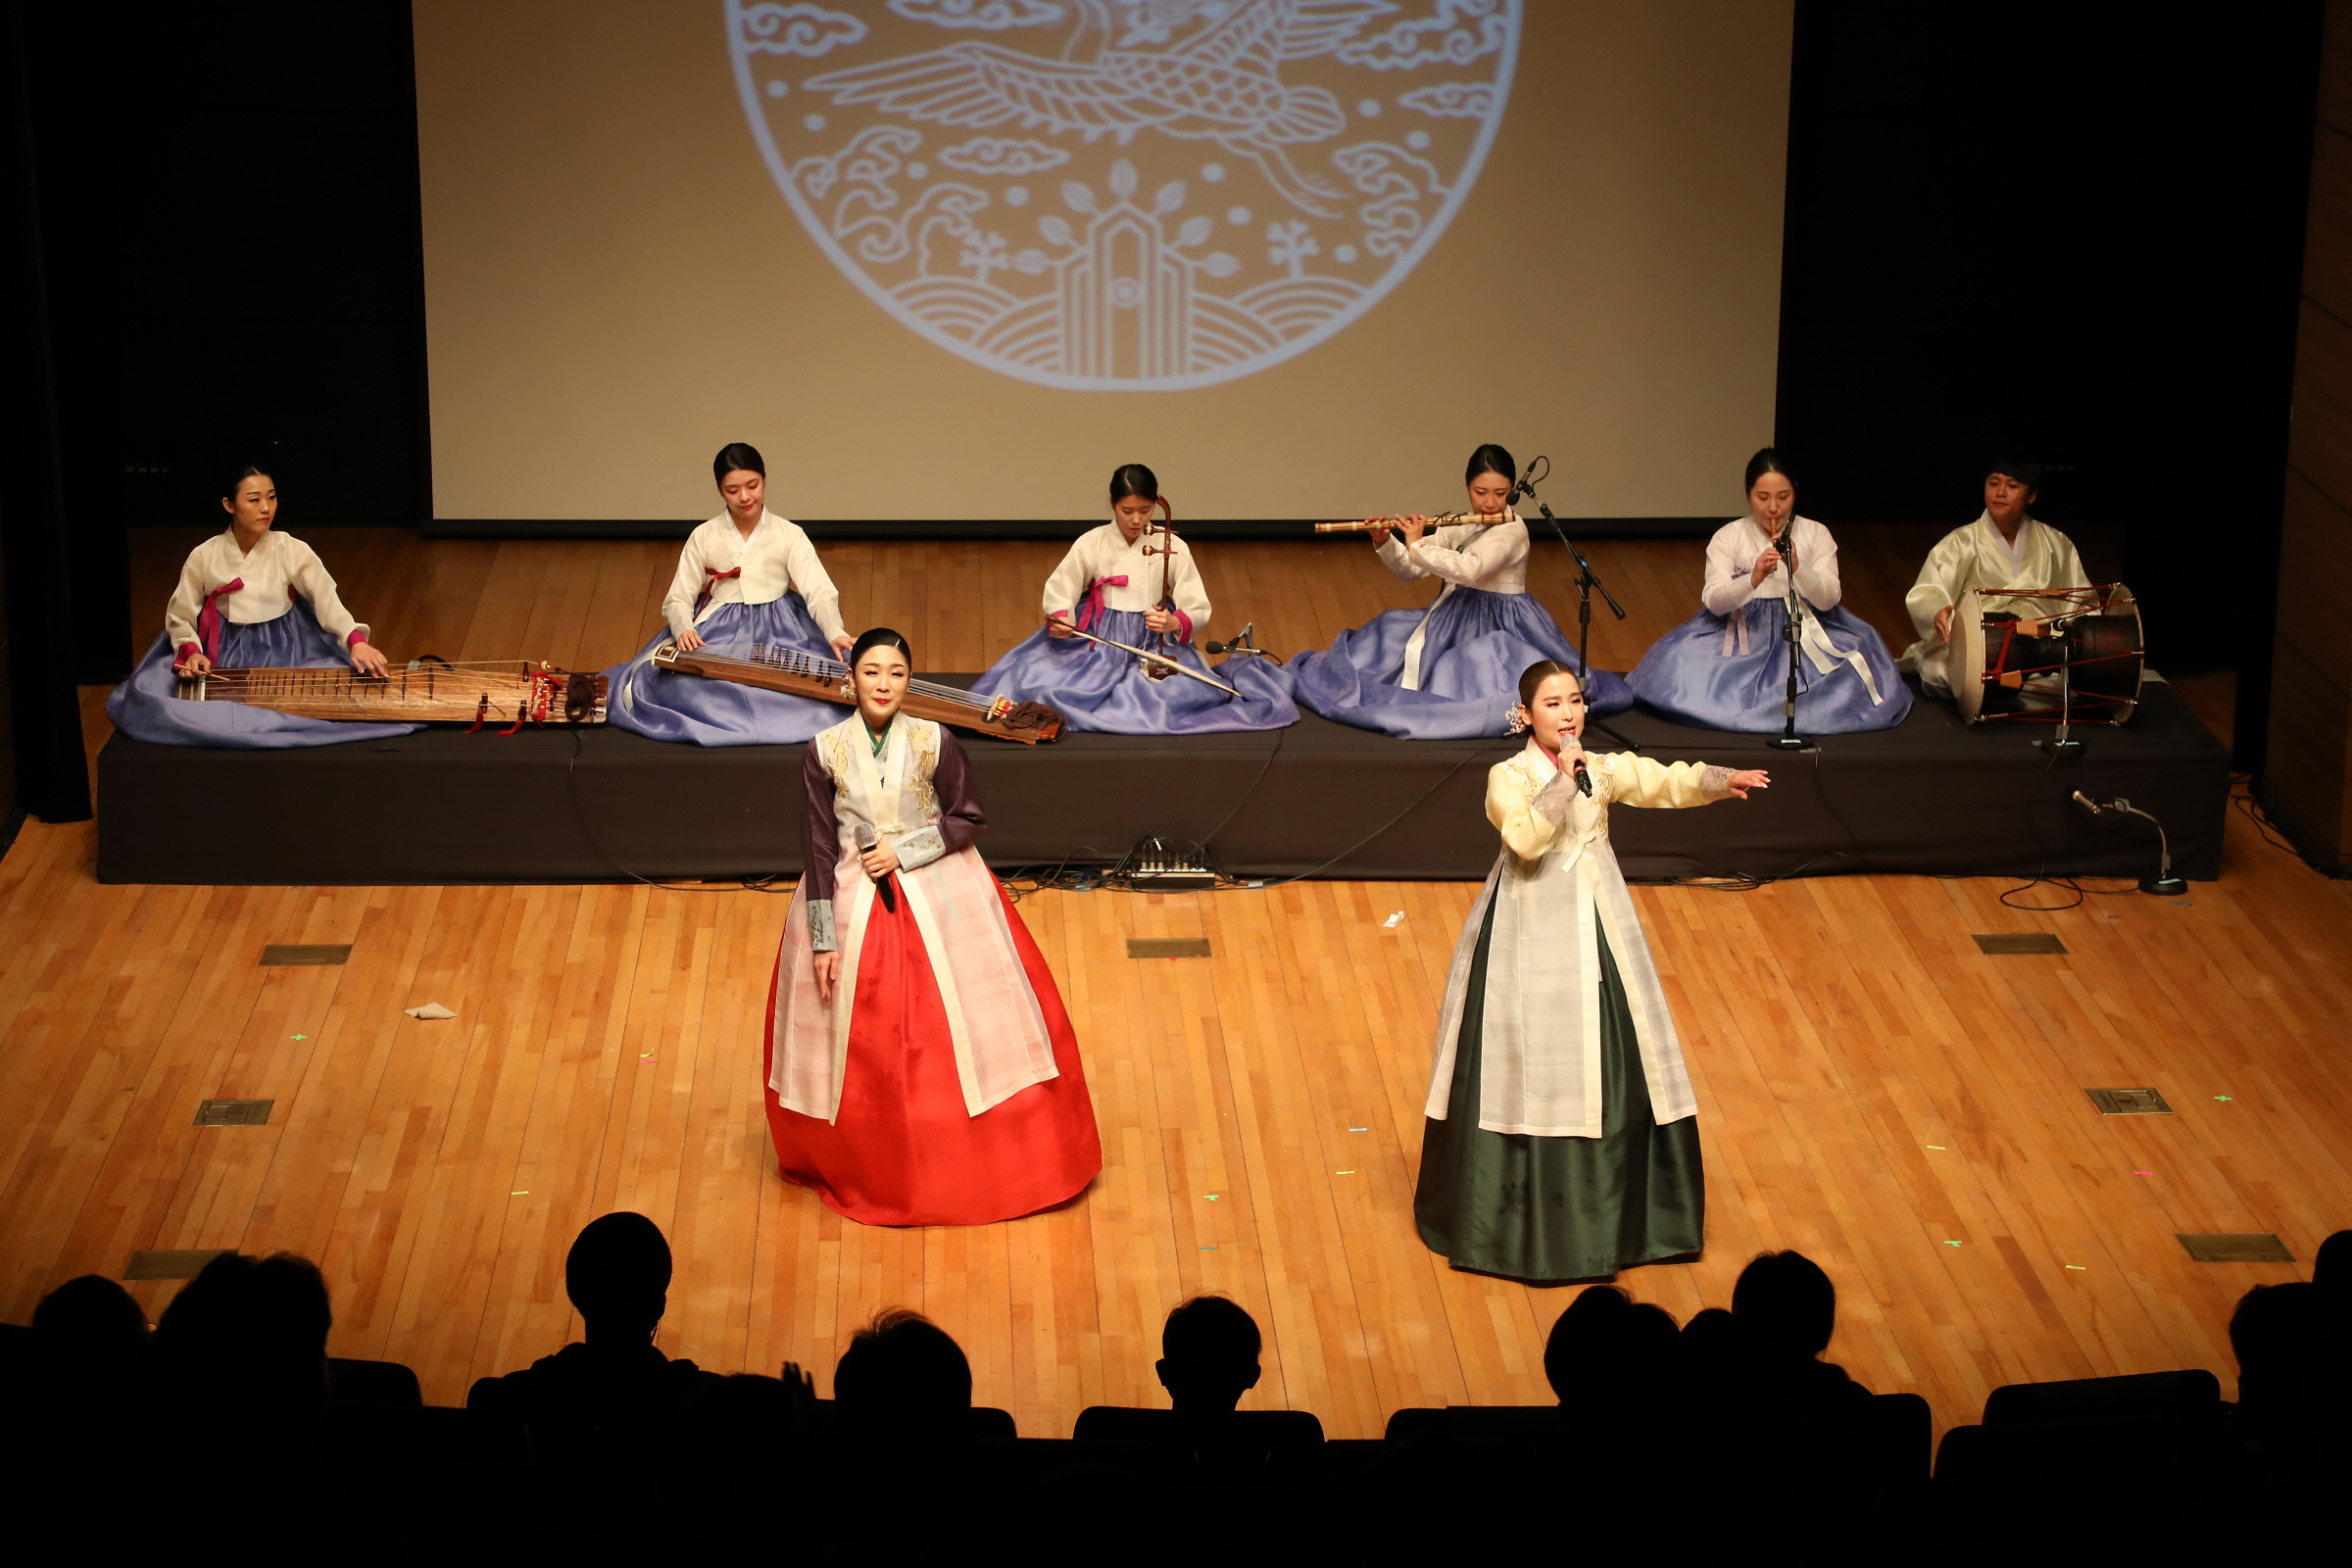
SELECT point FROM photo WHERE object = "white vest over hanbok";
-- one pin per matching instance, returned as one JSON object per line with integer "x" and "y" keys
{"x": 1492, "y": 558}
{"x": 1978, "y": 557}
{"x": 1102, "y": 567}
{"x": 1557, "y": 878}
{"x": 1000, "y": 1034}
{"x": 278, "y": 567}
{"x": 721, "y": 563}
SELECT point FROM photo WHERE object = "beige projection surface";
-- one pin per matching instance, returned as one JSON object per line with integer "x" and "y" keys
{"x": 957, "y": 259}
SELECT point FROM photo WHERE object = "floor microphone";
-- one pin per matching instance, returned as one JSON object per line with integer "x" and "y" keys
{"x": 867, "y": 839}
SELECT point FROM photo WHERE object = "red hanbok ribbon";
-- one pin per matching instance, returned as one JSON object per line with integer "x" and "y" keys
{"x": 716, "y": 577}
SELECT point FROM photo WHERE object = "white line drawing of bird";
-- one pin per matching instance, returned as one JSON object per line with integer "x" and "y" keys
{"x": 1223, "y": 85}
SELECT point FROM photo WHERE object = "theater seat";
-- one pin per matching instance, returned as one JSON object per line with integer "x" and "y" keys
{"x": 371, "y": 1382}
{"x": 2189, "y": 1393}
{"x": 1887, "y": 1439}
{"x": 2142, "y": 1427}
{"x": 1122, "y": 1423}
{"x": 1492, "y": 1428}
{"x": 374, "y": 1434}
{"x": 988, "y": 1424}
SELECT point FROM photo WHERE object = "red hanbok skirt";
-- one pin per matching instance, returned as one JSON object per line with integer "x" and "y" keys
{"x": 903, "y": 1151}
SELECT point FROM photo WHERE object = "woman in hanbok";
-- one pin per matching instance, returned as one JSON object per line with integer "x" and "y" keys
{"x": 1448, "y": 673}
{"x": 1111, "y": 584}
{"x": 248, "y": 598}
{"x": 747, "y": 579}
{"x": 1561, "y": 1143}
{"x": 1726, "y": 668}
{"x": 2006, "y": 546}
{"x": 921, "y": 1067}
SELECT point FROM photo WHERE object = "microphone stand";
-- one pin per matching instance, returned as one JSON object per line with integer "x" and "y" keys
{"x": 2063, "y": 743}
{"x": 1586, "y": 581}
{"x": 1789, "y": 740}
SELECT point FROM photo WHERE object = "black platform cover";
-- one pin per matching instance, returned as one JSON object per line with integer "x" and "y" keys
{"x": 1934, "y": 796}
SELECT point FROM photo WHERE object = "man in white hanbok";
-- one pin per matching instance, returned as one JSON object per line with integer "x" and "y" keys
{"x": 2006, "y": 546}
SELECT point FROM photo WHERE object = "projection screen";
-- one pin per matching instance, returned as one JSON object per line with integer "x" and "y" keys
{"x": 957, "y": 259}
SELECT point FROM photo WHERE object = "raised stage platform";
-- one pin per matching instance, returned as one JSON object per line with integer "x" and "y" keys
{"x": 1934, "y": 797}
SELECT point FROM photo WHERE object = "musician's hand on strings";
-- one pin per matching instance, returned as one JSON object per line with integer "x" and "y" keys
{"x": 1763, "y": 568}
{"x": 1748, "y": 778}
{"x": 1057, "y": 628}
{"x": 194, "y": 664}
{"x": 827, "y": 969}
{"x": 880, "y": 861}
{"x": 368, "y": 659}
{"x": 1160, "y": 619}
{"x": 1943, "y": 622}
{"x": 689, "y": 640}
{"x": 843, "y": 644}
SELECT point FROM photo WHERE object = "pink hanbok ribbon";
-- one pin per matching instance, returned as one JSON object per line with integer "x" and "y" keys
{"x": 1092, "y": 609}
{"x": 208, "y": 619}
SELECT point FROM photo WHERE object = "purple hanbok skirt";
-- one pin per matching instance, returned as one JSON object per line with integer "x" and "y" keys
{"x": 1730, "y": 672}
{"x": 1478, "y": 646}
{"x": 1099, "y": 688}
{"x": 665, "y": 705}
{"x": 144, "y": 709}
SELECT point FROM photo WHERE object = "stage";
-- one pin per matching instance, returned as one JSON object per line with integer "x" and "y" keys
{"x": 1933, "y": 797}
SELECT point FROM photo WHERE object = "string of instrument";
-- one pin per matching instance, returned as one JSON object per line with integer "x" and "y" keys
{"x": 512, "y": 691}
{"x": 798, "y": 673}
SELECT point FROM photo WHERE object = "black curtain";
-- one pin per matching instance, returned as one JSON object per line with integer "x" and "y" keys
{"x": 272, "y": 295}
{"x": 2074, "y": 231}
{"x": 36, "y": 453}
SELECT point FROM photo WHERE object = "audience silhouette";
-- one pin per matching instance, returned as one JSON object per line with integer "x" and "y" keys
{"x": 617, "y": 1276}
{"x": 1209, "y": 1352}
{"x": 1677, "y": 1434}
{"x": 904, "y": 1384}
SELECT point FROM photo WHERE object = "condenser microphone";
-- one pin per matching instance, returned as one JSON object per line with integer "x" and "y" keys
{"x": 1238, "y": 645}
{"x": 867, "y": 839}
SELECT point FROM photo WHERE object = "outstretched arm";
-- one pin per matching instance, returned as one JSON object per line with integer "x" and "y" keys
{"x": 1636, "y": 780}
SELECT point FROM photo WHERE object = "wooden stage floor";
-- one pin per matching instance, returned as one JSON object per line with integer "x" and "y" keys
{"x": 1873, "y": 1091}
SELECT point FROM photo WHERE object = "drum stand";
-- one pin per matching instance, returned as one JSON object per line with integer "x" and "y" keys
{"x": 2063, "y": 743}
{"x": 1586, "y": 583}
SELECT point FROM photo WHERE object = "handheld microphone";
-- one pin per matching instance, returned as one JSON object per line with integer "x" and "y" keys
{"x": 1584, "y": 780}
{"x": 867, "y": 839}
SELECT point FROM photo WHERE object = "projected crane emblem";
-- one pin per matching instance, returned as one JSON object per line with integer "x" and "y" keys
{"x": 1227, "y": 183}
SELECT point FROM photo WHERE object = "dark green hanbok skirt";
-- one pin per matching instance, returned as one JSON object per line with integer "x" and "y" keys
{"x": 1560, "y": 1209}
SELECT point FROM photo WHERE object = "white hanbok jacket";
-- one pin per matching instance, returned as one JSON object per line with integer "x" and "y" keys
{"x": 1978, "y": 557}
{"x": 1727, "y": 591}
{"x": 278, "y": 566}
{"x": 1490, "y": 558}
{"x": 1555, "y": 885}
{"x": 774, "y": 560}
{"x": 999, "y": 1028}
{"x": 1102, "y": 561}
